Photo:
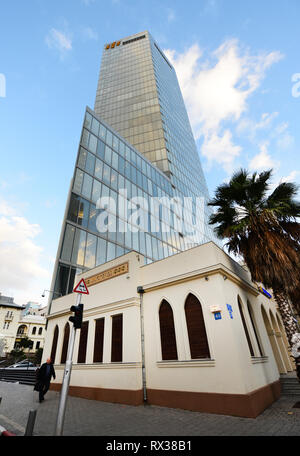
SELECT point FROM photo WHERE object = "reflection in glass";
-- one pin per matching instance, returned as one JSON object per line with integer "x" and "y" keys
{"x": 79, "y": 247}
{"x": 68, "y": 243}
{"x": 101, "y": 251}
{"x": 90, "y": 253}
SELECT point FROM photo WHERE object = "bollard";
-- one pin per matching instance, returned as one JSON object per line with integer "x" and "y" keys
{"x": 30, "y": 422}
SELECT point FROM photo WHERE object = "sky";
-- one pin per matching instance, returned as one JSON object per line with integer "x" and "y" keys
{"x": 238, "y": 67}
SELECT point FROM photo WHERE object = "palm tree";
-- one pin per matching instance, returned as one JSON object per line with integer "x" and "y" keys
{"x": 264, "y": 231}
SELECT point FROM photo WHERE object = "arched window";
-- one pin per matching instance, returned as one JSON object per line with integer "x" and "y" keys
{"x": 196, "y": 328}
{"x": 245, "y": 328}
{"x": 40, "y": 331}
{"x": 34, "y": 330}
{"x": 21, "y": 330}
{"x": 117, "y": 338}
{"x": 99, "y": 339}
{"x": 64, "y": 351}
{"x": 167, "y": 332}
{"x": 252, "y": 318}
{"x": 54, "y": 345}
{"x": 83, "y": 342}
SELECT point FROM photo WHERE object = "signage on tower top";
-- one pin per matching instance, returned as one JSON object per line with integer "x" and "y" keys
{"x": 81, "y": 287}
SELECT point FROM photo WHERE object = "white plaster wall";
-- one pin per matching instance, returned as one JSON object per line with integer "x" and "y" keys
{"x": 231, "y": 368}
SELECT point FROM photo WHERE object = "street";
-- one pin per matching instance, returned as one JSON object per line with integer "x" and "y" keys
{"x": 94, "y": 418}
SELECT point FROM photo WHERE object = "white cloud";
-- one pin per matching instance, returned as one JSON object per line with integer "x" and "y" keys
{"x": 251, "y": 128}
{"x": 59, "y": 41}
{"x": 217, "y": 92}
{"x": 285, "y": 141}
{"x": 21, "y": 272}
{"x": 89, "y": 34}
{"x": 263, "y": 160}
{"x": 291, "y": 177}
{"x": 220, "y": 149}
{"x": 171, "y": 15}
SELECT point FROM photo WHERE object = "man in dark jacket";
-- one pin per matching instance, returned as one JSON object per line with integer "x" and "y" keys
{"x": 45, "y": 373}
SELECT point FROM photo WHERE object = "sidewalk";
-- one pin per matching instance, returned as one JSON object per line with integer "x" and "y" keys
{"x": 94, "y": 418}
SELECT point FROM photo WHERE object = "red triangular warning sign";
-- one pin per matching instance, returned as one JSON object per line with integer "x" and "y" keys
{"x": 81, "y": 287}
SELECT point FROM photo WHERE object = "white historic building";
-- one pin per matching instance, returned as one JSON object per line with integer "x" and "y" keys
{"x": 190, "y": 331}
{"x": 14, "y": 325}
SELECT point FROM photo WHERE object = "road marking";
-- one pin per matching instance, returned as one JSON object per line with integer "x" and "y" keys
{"x": 12, "y": 423}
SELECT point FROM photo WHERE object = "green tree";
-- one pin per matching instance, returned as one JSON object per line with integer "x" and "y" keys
{"x": 26, "y": 343}
{"x": 262, "y": 228}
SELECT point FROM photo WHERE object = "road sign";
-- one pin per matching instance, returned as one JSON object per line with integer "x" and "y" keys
{"x": 81, "y": 287}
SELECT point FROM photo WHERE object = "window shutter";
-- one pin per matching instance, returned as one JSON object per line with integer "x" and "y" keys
{"x": 167, "y": 332}
{"x": 83, "y": 342}
{"x": 98, "y": 344}
{"x": 117, "y": 338}
{"x": 54, "y": 345}
{"x": 196, "y": 328}
{"x": 64, "y": 351}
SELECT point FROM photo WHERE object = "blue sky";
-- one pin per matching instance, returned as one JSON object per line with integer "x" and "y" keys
{"x": 235, "y": 63}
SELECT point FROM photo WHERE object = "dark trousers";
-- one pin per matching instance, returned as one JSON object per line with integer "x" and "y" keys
{"x": 44, "y": 389}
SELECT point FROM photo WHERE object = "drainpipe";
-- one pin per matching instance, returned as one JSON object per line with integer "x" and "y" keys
{"x": 141, "y": 291}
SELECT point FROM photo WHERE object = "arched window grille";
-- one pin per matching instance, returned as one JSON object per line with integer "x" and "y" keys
{"x": 54, "y": 344}
{"x": 167, "y": 332}
{"x": 64, "y": 351}
{"x": 196, "y": 328}
{"x": 245, "y": 328}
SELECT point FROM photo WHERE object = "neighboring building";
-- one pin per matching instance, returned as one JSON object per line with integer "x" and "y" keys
{"x": 213, "y": 342}
{"x": 31, "y": 308}
{"x": 138, "y": 97}
{"x": 9, "y": 319}
{"x": 14, "y": 325}
{"x": 33, "y": 327}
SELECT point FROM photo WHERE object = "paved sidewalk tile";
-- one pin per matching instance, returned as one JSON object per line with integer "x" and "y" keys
{"x": 94, "y": 418}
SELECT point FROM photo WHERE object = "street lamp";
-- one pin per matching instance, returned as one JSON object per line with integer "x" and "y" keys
{"x": 51, "y": 291}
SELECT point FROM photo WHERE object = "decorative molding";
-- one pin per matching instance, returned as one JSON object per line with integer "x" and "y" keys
{"x": 259, "y": 359}
{"x": 83, "y": 366}
{"x": 187, "y": 363}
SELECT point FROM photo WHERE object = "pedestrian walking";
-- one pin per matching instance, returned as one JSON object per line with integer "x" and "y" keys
{"x": 44, "y": 375}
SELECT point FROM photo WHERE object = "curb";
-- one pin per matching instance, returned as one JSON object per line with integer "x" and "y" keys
{"x": 5, "y": 433}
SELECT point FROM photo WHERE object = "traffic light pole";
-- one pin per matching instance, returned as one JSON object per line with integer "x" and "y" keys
{"x": 66, "y": 379}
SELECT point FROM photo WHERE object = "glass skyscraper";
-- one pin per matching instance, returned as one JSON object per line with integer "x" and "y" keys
{"x": 137, "y": 151}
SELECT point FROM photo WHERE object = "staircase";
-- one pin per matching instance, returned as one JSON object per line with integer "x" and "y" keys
{"x": 24, "y": 376}
{"x": 290, "y": 385}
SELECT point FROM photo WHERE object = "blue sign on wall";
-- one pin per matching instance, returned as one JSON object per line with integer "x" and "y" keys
{"x": 218, "y": 315}
{"x": 229, "y": 307}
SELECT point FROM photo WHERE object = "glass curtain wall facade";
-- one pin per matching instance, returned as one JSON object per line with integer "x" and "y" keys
{"x": 105, "y": 164}
{"x": 137, "y": 139}
{"x": 139, "y": 96}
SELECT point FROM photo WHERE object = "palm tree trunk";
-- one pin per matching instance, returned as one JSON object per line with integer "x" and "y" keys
{"x": 284, "y": 307}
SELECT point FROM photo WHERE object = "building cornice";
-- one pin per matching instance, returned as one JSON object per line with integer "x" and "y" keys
{"x": 202, "y": 273}
{"x": 117, "y": 305}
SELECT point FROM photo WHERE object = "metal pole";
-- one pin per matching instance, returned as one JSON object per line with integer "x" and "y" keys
{"x": 66, "y": 379}
{"x": 30, "y": 422}
{"x": 141, "y": 292}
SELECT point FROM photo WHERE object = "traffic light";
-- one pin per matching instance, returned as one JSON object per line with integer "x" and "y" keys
{"x": 77, "y": 318}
